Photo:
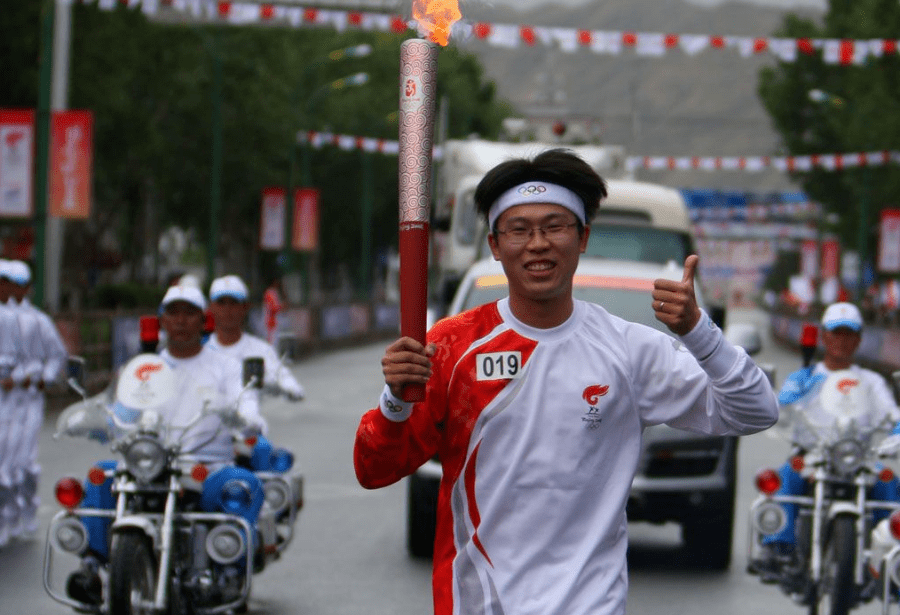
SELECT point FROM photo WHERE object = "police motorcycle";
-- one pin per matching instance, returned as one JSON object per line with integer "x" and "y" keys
{"x": 835, "y": 507}
{"x": 884, "y": 555}
{"x": 158, "y": 531}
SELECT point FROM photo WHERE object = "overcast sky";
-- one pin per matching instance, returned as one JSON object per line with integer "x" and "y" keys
{"x": 787, "y": 4}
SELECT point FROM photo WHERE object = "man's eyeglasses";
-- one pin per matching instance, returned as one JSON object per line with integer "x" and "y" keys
{"x": 520, "y": 234}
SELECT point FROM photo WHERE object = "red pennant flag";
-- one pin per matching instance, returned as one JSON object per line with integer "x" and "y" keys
{"x": 671, "y": 41}
{"x": 889, "y": 47}
{"x": 805, "y": 46}
{"x": 670, "y": 162}
{"x": 742, "y": 163}
{"x": 790, "y": 163}
{"x": 359, "y": 142}
{"x": 354, "y": 19}
{"x": 482, "y": 29}
{"x": 267, "y": 11}
{"x": 629, "y": 39}
{"x": 310, "y": 15}
{"x": 584, "y": 37}
{"x": 224, "y": 9}
{"x": 695, "y": 162}
{"x": 760, "y": 45}
{"x": 717, "y": 42}
{"x": 398, "y": 25}
{"x": 838, "y": 162}
{"x": 527, "y": 33}
{"x": 846, "y": 52}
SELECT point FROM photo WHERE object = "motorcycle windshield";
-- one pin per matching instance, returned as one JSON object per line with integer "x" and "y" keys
{"x": 837, "y": 407}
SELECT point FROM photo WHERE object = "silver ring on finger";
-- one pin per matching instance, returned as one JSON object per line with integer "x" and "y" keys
{"x": 661, "y": 304}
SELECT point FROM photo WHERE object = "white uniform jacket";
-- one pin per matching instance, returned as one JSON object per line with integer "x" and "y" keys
{"x": 539, "y": 433}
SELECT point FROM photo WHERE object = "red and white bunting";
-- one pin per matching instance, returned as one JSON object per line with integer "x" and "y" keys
{"x": 843, "y": 52}
{"x": 749, "y": 164}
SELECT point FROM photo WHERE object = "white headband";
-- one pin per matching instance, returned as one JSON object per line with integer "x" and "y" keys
{"x": 536, "y": 192}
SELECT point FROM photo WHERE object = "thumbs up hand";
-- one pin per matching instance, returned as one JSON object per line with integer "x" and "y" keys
{"x": 674, "y": 302}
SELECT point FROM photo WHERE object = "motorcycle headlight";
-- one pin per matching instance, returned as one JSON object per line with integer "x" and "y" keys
{"x": 847, "y": 456}
{"x": 145, "y": 458}
{"x": 277, "y": 494}
{"x": 769, "y": 518}
{"x": 225, "y": 544}
{"x": 69, "y": 535}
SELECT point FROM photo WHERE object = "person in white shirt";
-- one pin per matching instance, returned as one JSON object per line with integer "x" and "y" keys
{"x": 10, "y": 364}
{"x": 44, "y": 357}
{"x": 230, "y": 304}
{"x": 536, "y": 404}
{"x": 202, "y": 375}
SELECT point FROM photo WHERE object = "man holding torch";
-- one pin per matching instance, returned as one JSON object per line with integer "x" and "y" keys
{"x": 531, "y": 509}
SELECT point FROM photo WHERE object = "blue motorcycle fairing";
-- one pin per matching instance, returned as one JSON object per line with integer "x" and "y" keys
{"x": 99, "y": 496}
{"x": 217, "y": 485}
{"x": 265, "y": 458}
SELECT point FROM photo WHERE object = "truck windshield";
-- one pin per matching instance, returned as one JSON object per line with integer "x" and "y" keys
{"x": 638, "y": 243}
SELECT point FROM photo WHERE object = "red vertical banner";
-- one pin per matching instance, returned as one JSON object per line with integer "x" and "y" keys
{"x": 16, "y": 163}
{"x": 305, "y": 234}
{"x": 889, "y": 241}
{"x": 71, "y": 162}
{"x": 271, "y": 219}
{"x": 831, "y": 258}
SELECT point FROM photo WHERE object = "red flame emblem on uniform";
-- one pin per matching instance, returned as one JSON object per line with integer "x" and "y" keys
{"x": 846, "y": 384}
{"x": 144, "y": 371}
{"x": 410, "y": 87}
{"x": 593, "y": 393}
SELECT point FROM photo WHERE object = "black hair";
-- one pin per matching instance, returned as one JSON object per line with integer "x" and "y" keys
{"x": 559, "y": 166}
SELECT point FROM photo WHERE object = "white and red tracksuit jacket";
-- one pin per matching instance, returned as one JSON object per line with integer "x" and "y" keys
{"x": 539, "y": 432}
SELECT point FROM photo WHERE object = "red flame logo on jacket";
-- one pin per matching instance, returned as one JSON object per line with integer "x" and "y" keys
{"x": 846, "y": 384}
{"x": 593, "y": 393}
{"x": 144, "y": 371}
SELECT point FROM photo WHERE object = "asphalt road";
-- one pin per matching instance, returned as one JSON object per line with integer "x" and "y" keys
{"x": 349, "y": 557}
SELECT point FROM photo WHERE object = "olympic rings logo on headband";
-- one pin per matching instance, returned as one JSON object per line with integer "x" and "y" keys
{"x": 531, "y": 190}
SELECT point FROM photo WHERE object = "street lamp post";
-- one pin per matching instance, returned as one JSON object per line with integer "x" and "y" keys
{"x": 312, "y": 101}
{"x": 820, "y": 96}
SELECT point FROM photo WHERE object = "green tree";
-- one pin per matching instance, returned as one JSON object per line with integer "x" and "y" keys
{"x": 861, "y": 112}
{"x": 150, "y": 87}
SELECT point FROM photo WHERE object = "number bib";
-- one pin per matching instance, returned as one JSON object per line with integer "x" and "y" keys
{"x": 499, "y": 365}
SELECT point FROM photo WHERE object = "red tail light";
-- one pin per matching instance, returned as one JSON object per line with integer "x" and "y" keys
{"x": 199, "y": 472}
{"x": 149, "y": 326}
{"x": 96, "y": 476}
{"x": 768, "y": 481}
{"x": 895, "y": 524}
{"x": 69, "y": 492}
{"x": 886, "y": 475}
{"x": 797, "y": 463}
{"x": 809, "y": 336}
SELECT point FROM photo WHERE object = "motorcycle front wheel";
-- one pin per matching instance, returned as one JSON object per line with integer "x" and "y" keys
{"x": 132, "y": 574}
{"x": 836, "y": 590}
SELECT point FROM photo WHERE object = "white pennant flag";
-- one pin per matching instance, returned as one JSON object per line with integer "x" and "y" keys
{"x": 567, "y": 38}
{"x": 692, "y": 44}
{"x": 504, "y": 36}
{"x": 606, "y": 42}
{"x": 784, "y": 48}
{"x": 651, "y": 44}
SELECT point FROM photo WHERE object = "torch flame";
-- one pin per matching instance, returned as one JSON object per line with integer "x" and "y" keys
{"x": 436, "y": 17}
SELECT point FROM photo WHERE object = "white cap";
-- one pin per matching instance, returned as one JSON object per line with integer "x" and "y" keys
{"x": 190, "y": 294}
{"x": 18, "y": 272}
{"x": 228, "y": 286}
{"x": 842, "y": 315}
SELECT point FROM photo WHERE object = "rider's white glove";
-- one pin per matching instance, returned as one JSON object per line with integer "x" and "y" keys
{"x": 889, "y": 445}
{"x": 294, "y": 395}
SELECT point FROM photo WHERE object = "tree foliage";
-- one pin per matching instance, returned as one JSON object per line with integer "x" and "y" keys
{"x": 860, "y": 113}
{"x": 151, "y": 89}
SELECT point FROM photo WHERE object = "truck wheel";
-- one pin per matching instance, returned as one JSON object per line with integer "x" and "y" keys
{"x": 421, "y": 517}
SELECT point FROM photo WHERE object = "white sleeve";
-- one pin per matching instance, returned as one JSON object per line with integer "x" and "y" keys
{"x": 55, "y": 354}
{"x": 705, "y": 385}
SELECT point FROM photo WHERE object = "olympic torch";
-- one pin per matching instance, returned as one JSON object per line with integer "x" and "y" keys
{"x": 418, "y": 76}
